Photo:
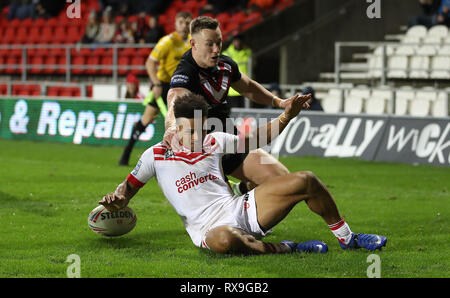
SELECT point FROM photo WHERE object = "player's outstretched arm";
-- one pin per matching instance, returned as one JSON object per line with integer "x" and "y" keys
{"x": 258, "y": 94}
{"x": 267, "y": 132}
{"x": 170, "y": 122}
{"x": 120, "y": 198}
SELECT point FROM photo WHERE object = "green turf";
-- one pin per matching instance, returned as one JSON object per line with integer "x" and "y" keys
{"x": 47, "y": 191}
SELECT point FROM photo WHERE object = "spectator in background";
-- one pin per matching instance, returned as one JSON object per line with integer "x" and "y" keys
{"x": 314, "y": 104}
{"x": 133, "y": 87}
{"x": 429, "y": 6}
{"x": 436, "y": 12}
{"x": 155, "y": 32}
{"x": 125, "y": 9}
{"x": 125, "y": 34}
{"x": 92, "y": 28}
{"x": 241, "y": 54}
{"x": 140, "y": 27}
{"x": 443, "y": 17}
{"x": 41, "y": 12}
{"x": 108, "y": 27}
{"x": 21, "y": 9}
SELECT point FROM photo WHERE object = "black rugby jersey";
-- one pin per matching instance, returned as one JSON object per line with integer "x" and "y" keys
{"x": 212, "y": 83}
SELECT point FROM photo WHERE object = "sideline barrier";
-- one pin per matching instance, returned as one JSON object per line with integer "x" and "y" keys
{"x": 413, "y": 140}
{"x": 76, "y": 121}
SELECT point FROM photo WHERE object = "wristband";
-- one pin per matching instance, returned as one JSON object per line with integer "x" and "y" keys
{"x": 273, "y": 101}
{"x": 283, "y": 121}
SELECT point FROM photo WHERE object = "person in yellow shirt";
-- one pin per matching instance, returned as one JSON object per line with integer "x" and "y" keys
{"x": 241, "y": 54}
{"x": 161, "y": 64}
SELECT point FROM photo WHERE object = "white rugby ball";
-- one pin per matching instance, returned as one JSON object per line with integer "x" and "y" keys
{"x": 117, "y": 223}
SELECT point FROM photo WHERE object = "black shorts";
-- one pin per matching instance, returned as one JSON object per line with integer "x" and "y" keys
{"x": 231, "y": 162}
{"x": 165, "y": 90}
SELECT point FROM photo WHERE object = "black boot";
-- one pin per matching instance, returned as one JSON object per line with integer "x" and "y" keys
{"x": 138, "y": 128}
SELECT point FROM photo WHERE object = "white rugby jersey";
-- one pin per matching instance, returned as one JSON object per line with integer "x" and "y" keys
{"x": 193, "y": 183}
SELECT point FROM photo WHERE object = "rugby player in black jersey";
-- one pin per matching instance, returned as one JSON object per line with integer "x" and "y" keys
{"x": 203, "y": 70}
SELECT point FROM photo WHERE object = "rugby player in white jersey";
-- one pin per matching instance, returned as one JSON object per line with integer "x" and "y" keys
{"x": 194, "y": 183}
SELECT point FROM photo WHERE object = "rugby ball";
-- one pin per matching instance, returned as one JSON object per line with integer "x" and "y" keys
{"x": 107, "y": 223}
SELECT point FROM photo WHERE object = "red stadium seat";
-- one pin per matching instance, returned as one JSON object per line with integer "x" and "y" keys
{"x": 9, "y": 35}
{"x": 127, "y": 52}
{"x": 4, "y": 53}
{"x": 85, "y": 52}
{"x": 66, "y": 92}
{"x": 138, "y": 61}
{"x": 40, "y": 22}
{"x": 27, "y": 23}
{"x": 51, "y": 65}
{"x": 62, "y": 65}
{"x": 46, "y": 34}
{"x": 192, "y": 7}
{"x": 223, "y": 19}
{"x": 21, "y": 35}
{"x": 76, "y": 92}
{"x": 52, "y": 91}
{"x": 123, "y": 61}
{"x": 25, "y": 90}
{"x": 10, "y": 69}
{"x": 34, "y": 90}
{"x": 34, "y": 34}
{"x": 143, "y": 52}
{"x": 106, "y": 61}
{"x": 3, "y": 89}
{"x": 52, "y": 22}
{"x": 73, "y": 34}
{"x": 60, "y": 35}
{"x": 14, "y": 23}
{"x": 93, "y": 61}
{"x": 34, "y": 61}
{"x": 78, "y": 60}
{"x": 89, "y": 91}
{"x": 238, "y": 18}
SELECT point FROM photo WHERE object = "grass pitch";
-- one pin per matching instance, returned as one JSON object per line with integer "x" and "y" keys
{"x": 47, "y": 191}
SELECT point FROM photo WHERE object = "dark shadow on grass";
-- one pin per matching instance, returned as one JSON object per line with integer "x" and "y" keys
{"x": 151, "y": 241}
{"x": 27, "y": 204}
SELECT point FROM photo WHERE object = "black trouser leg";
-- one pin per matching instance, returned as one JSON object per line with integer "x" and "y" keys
{"x": 138, "y": 129}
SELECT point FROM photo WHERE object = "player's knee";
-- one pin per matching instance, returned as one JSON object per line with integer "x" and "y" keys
{"x": 307, "y": 181}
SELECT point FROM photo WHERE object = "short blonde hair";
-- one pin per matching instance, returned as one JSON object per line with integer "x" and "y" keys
{"x": 203, "y": 22}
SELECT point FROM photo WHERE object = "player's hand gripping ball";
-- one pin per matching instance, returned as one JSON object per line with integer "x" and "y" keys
{"x": 116, "y": 223}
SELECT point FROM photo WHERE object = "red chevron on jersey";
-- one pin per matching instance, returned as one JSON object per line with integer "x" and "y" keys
{"x": 217, "y": 90}
{"x": 209, "y": 146}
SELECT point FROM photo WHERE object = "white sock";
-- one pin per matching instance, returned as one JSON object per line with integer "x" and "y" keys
{"x": 342, "y": 231}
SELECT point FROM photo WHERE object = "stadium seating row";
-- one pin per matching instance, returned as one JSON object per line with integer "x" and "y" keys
{"x": 415, "y": 62}
{"x": 61, "y": 29}
{"x": 421, "y": 54}
{"x": 408, "y": 101}
{"x": 421, "y": 35}
{"x": 98, "y": 61}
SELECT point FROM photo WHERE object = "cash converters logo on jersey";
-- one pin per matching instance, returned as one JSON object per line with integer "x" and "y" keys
{"x": 73, "y": 10}
{"x": 193, "y": 181}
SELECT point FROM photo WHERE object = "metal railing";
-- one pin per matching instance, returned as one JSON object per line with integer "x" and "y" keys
{"x": 24, "y": 67}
